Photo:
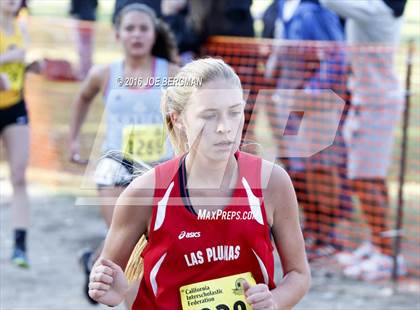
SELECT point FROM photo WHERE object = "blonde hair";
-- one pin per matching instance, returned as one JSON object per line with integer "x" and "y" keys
{"x": 175, "y": 98}
{"x": 135, "y": 266}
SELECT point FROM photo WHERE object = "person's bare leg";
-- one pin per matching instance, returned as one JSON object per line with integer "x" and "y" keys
{"x": 324, "y": 187}
{"x": 108, "y": 197}
{"x": 85, "y": 36}
{"x": 306, "y": 203}
{"x": 16, "y": 140}
{"x": 373, "y": 195}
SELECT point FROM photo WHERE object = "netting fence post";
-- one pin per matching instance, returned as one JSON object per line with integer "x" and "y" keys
{"x": 403, "y": 161}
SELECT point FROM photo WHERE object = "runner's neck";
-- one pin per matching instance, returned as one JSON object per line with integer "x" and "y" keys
{"x": 215, "y": 175}
{"x": 138, "y": 64}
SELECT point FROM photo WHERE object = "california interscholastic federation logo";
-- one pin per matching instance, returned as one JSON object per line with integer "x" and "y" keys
{"x": 239, "y": 287}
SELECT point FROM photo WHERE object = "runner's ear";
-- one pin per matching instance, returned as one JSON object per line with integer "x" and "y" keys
{"x": 177, "y": 121}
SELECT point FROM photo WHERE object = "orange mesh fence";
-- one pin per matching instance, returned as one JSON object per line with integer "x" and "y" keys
{"x": 304, "y": 111}
{"x": 332, "y": 115}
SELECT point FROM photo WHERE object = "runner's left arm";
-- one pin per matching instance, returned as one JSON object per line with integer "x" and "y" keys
{"x": 130, "y": 219}
{"x": 281, "y": 204}
{"x": 108, "y": 284}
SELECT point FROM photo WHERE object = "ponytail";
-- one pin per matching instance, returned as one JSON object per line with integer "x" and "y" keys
{"x": 177, "y": 138}
{"x": 165, "y": 44}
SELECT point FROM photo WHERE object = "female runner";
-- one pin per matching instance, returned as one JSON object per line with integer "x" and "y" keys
{"x": 14, "y": 121}
{"x": 208, "y": 213}
{"x": 132, "y": 88}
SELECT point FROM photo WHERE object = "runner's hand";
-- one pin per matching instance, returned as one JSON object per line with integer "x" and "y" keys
{"x": 75, "y": 154}
{"x": 108, "y": 284}
{"x": 259, "y": 296}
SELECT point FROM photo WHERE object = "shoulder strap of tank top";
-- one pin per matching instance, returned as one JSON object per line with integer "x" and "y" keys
{"x": 115, "y": 70}
{"x": 161, "y": 69}
{"x": 164, "y": 175}
{"x": 250, "y": 169}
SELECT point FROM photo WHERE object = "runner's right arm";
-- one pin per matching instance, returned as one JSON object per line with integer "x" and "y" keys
{"x": 90, "y": 88}
{"x": 130, "y": 220}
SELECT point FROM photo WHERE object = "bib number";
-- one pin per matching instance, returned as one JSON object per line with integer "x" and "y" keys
{"x": 239, "y": 305}
{"x": 144, "y": 142}
{"x": 219, "y": 294}
{"x": 14, "y": 72}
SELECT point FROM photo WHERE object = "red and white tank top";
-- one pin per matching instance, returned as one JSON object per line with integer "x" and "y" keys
{"x": 183, "y": 249}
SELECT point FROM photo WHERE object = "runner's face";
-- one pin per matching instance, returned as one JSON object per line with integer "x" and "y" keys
{"x": 10, "y": 6}
{"x": 137, "y": 33}
{"x": 214, "y": 119}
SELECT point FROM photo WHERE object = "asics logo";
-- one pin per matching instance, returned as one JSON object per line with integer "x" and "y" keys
{"x": 193, "y": 234}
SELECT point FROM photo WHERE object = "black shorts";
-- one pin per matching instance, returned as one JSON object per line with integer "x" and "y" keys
{"x": 16, "y": 114}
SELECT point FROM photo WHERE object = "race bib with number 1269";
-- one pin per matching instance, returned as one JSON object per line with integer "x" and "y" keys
{"x": 218, "y": 294}
{"x": 144, "y": 142}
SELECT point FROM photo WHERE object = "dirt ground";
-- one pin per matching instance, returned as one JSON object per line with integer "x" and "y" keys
{"x": 60, "y": 231}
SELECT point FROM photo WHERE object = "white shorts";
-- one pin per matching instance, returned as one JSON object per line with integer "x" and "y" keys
{"x": 114, "y": 170}
{"x": 369, "y": 135}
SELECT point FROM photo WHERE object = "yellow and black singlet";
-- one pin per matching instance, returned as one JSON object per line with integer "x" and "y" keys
{"x": 15, "y": 71}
